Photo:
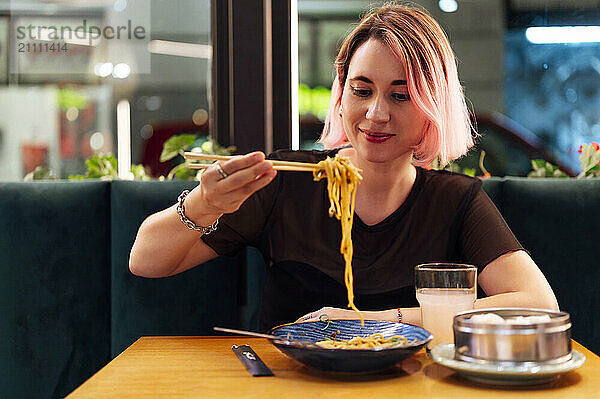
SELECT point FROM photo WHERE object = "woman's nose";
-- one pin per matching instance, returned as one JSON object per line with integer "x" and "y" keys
{"x": 377, "y": 111}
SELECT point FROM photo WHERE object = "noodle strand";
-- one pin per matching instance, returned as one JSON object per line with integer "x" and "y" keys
{"x": 372, "y": 341}
{"x": 342, "y": 182}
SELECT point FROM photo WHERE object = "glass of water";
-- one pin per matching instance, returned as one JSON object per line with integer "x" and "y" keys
{"x": 444, "y": 289}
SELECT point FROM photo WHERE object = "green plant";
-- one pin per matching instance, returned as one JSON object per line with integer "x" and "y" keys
{"x": 542, "y": 168}
{"x": 589, "y": 159}
{"x": 105, "y": 167}
{"x": 455, "y": 168}
{"x": 452, "y": 167}
{"x": 177, "y": 145}
{"x": 70, "y": 98}
{"x": 40, "y": 173}
{"x": 139, "y": 172}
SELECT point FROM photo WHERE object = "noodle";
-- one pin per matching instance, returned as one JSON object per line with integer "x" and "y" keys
{"x": 342, "y": 182}
{"x": 372, "y": 341}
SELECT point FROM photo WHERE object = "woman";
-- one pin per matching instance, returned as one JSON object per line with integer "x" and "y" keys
{"x": 396, "y": 105}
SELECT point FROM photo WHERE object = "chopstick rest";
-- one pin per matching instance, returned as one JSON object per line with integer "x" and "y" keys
{"x": 250, "y": 359}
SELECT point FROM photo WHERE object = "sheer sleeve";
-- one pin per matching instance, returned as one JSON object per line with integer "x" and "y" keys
{"x": 252, "y": 224}
{"x": 241, "y": 228}
{"x": 485, "y": 234}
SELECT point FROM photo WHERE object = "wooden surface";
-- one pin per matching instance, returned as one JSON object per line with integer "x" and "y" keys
{"x": 206, "y": 367}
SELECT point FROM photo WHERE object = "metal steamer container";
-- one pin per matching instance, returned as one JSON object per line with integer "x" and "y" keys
{"x": 513, "y": 344}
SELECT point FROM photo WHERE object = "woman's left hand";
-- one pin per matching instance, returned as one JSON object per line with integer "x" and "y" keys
{"x": 332, "y": 314}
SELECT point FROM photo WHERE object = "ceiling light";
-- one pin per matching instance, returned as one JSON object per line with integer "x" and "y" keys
{"x": 448, "y": 5}
{"x": 563, "y": 34}
{"x": 120, "y": 5}
{"x": 121, "y": 71}
{"x": 103, "y": 69}
{"x": 180, "y": 49}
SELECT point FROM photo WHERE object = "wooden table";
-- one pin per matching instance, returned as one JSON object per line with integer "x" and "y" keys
{"x": 205, "y": 367}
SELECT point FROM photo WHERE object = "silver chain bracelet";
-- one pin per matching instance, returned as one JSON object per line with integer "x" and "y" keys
{"x": 187, "y": 222}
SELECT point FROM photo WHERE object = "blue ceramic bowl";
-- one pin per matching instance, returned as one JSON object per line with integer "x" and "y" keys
{"x": 348, "y": 360}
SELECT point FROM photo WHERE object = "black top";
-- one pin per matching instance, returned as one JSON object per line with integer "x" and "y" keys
{"x": 446, "y": 217}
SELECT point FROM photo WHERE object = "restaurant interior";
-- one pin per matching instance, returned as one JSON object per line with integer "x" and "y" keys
{"x": 93, "y": 128}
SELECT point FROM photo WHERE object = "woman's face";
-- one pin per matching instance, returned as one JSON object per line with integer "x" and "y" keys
{"x": 379, "y": 119}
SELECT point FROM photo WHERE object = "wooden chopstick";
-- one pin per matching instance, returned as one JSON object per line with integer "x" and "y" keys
{"x": 279, "y": 165}
{"x": 276, "y": 167}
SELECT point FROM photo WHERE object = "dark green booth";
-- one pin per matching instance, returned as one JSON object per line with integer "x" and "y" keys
{"x": 68, "y": 303}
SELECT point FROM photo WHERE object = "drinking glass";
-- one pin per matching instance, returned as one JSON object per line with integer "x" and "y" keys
{"x": 444, "y": 289}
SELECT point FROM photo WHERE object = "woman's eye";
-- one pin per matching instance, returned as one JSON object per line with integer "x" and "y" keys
{"x": 401, "y": 97}
{"x": 360, "y": 92}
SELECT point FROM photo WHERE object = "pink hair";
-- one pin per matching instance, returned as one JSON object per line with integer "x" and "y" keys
{"x": 333, "y": 133}
{"x": 432, "y": 78}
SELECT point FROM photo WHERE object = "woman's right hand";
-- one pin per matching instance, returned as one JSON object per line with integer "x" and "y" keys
{"x": 164, "y": 246}
{"x": 216, "y": 195}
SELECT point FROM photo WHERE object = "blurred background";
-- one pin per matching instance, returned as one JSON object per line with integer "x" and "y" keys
{"x": 256, "y": 74}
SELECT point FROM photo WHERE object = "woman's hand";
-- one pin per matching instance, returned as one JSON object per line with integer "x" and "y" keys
{"x": 332, "y": 314}
{"x": 164, "y": 246}
{"x": 224, "y": 191}
{"x": 409, "y": 315}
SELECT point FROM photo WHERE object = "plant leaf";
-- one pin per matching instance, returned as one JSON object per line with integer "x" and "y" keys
{"x": 542, "y": 168}
{"x": 175, "y": 144}
{"x": 40, "y": 173}
{"x": 139, "y": 173}
{"x": 538, "y": 163}
{"x": 469, "y": 172}
{"x": 99, "y": 167}
{"x": 185, "y": 174}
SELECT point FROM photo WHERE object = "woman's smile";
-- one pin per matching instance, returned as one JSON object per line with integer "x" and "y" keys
{"x": 375, "y": 137}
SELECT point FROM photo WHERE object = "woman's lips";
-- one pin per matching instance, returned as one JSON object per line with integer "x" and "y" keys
{"x": 376, "y": 137}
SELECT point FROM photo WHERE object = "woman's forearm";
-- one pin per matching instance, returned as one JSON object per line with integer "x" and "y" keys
{"x": 163, "y": 243}
{"x": 514, "y": 280}
{"x": 539, "y": 300}
{"x": 509, "y": 299}
{"x": 409, "y": 315}
{"x": 165, "y": 246}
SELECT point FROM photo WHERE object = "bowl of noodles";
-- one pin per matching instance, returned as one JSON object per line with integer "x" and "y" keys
{"x": 347, "y": 346}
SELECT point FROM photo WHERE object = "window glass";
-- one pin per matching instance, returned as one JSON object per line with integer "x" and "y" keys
{"x": 65, "y": 66}
{"x": 552, "y": 76}
{"x": 531, "y": 100}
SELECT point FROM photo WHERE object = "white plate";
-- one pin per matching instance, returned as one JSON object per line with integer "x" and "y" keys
{"x": 500, "y": 374}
